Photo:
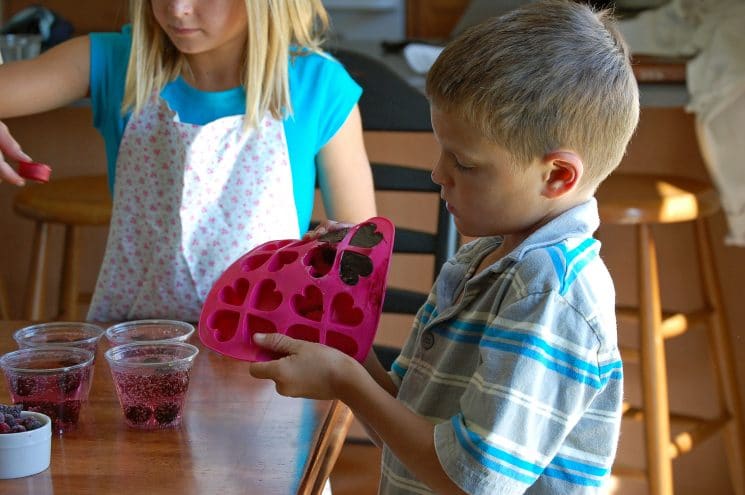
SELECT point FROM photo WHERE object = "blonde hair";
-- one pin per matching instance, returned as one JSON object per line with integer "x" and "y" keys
{"x": 277, "y": 29}
{"x": 545, "y": 76}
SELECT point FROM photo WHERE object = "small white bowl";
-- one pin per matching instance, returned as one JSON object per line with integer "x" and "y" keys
{"x": 26, "y": 452}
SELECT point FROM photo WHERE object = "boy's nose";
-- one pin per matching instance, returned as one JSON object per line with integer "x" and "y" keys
{"x": 437, "y": 172}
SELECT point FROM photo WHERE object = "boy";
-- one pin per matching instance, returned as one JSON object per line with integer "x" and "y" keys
{"x": 511, "y": 381}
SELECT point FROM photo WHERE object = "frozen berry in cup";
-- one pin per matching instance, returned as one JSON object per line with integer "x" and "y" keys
{"x": 151, "y": 381}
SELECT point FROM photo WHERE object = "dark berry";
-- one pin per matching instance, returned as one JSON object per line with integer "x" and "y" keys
{"x": 69, "y": 411}
{"x": 14, "y": 410}
{"x": 11, "y": 420}
{"x": 166, "y": 413}
{"x": 174, "y": 384}
{"x": 44, "y": 407}
{"x": 24, "y": 385}
{"x": 138, "y": 414}
{"x": 69, "y": 383}
{"x": 31, "y": 423}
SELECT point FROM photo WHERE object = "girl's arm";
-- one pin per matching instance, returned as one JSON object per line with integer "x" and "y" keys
{"x": 55, "y": 78}
{"x": 344, "y": 174}
{"x": 320, "y": 372}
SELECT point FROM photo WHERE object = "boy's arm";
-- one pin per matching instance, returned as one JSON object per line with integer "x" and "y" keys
{"x": 380, "y": 375}
{"x": 319, "y": 372}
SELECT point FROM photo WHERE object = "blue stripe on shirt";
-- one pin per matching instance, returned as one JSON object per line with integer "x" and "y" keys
{"x": 465, "y": 439}
{"x": 557, "y": 360}
{"x": 569, "y": 263}
{"x": 495, "y": 458}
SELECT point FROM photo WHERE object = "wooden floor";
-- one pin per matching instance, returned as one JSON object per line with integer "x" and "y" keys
{"x": 357, "y": 471}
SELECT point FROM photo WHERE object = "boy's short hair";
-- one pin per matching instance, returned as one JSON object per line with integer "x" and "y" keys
{"x": 547, "y": 75}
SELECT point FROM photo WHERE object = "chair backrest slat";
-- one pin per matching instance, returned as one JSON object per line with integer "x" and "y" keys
{"x": 390, "y": 104}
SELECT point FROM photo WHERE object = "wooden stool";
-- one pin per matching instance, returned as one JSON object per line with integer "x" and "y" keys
{"x": 4, "y": 306}
{"x": 643, "y": 200}
{"x": 73, "y": 202}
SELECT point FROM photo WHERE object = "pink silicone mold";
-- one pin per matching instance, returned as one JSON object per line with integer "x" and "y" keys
{"x": 328, "y": 290}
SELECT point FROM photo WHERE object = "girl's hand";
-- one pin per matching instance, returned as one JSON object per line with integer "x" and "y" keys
{"x": 307, "y": 370}
{"x": 325, "y": 227}
{"x": 10, "y": 148}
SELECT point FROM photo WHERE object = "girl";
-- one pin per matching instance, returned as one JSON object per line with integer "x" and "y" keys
{"x": 216, "y": 116}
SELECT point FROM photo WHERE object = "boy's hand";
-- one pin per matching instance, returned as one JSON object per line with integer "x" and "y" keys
{"x": 10, "y": 148}
{"x": 308, "y": 370}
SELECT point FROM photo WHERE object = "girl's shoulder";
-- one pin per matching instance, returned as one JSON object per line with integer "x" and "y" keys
{"x": 111, "y": 46}
{"x": 305, "y": 62}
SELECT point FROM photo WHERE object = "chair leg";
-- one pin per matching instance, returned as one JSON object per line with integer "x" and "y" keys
{"x": 724, "y": 362}
{"x": 4, "y": 306}
{"x": 69, "y": 282}
{"x": 653, "y": 368}
{"x": 34, "y": 303}
{"x": 336, "y": 442}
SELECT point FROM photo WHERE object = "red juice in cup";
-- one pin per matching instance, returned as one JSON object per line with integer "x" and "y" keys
{"x": 51, "y": 380}
{"x": 151, "y": 381}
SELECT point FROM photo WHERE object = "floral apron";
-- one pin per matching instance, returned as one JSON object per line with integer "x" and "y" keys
{"x": 188, "y": 201}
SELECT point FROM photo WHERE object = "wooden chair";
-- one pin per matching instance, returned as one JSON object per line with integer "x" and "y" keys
{"x": 642, "y": 201}
{"x": 73, "y": 202}
{"x": 390, "y": 106}
{"x": 4, "y": 306}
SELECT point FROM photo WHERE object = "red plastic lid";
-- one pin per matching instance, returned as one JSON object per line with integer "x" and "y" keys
{"x": 34, "y": 171}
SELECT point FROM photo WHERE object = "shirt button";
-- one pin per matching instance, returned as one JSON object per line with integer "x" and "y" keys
{"x": 428, "y": 340}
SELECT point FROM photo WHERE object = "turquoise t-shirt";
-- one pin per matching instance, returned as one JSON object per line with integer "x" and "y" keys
{"x": 322, "y": 94}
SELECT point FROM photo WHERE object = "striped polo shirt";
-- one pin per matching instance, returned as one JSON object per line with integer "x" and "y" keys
{"x": 522, "y": 376}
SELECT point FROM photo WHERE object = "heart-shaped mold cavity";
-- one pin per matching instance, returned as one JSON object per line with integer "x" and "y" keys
{"x": 274, "y": 245}
{"x": 257, "y": 324}
{"x": 267, "y": 297}
{"x": 334, "y": 236}
{"x": 235, "y": 294}
{"x": 367, "y": 236}
{"x": 253, "y": 262}
{"x": 344, "y": 312}
{"x": 282, "y": 259}
{"x": 341, "y": 341}
{"x": 224, "y": 324}
{"x": 309, "y": 304}
{"x": 353, "y": 266}
{"x": 320, "y": 259}
{"x": 304, "y": 332}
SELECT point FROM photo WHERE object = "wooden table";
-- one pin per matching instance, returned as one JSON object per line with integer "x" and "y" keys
{"x": 238, "y": 436}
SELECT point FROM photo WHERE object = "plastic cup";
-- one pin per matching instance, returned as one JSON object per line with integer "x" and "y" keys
{"x": 67, "y": 334}
{"x": 15, "y": 47}
{"x": 51, "y": 380}
{"x": 151, "y": 381}
{"x": 149, "y": 331}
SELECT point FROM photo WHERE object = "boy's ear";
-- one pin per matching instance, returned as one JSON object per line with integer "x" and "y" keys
{"x": 563, "y": 172}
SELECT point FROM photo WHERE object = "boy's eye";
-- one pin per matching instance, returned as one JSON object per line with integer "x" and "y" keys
{"x": 460, "y": 167}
